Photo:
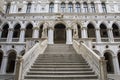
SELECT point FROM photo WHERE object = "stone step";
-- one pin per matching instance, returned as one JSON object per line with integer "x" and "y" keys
{"x": 60, "y": 73}
{"x": 61, "y": 77}
{"x": 60, "y": 69}
{"x": 60, "y": 66}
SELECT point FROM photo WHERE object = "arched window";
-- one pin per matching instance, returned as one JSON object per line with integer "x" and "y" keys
{"x": 104, "y": 7}
{"x": 92, "y": 7}
{"x": 11, "y": 62}
{"x": 118, "y": 58}
{"x": 5, "y": 31}
{"x": 16, "y": 33}
{"x": 1, "y": 57}
{"x": 91, "y": 31}
{"x": 79, "y": 31}
{"x": 108, "y": 57}
{"x": 51, "y": 7}
{"x": 103, "y": 31}
{"x": 85, "y": 7}
{"x": 78, "y": 9}
{"x": 29, "y": 31}
{"x": 8, "y": 8}
{"x": 28, "y": 8}
{"x": 70, "y": 7}
{"x": 62, "y": 7}
{"x": 115, "y": 30}
{"x": 40, "y": 31}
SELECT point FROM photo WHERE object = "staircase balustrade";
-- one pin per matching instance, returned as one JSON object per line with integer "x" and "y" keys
{"x": 25, "y": 62}
{"x": 97, "y": 63}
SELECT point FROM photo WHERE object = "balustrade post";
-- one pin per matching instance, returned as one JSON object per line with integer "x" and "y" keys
{"x": 50, "y": 35}
{"x": 18, "y": 72}
{"x": 103, "y": 70}
{"x": 69, "y": 35}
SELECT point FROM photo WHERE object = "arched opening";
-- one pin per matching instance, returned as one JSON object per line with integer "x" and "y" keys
{"x": 11, "y": 62}
{"x": 78, "y": 7}
{"x": 22, "y": 52}
{"x": 103, "y": 31}
{"x": 51, "y": 7}
{"x": 16, "y": 33}
{"x": 85, "y": 5}
{"x": 29, "y": 31}
{"x": 79, "y": 31}
{"x": 118, "y": 55}
{"x": 40, "y": 31}
{"x": 1, "y": 57}
{"x": 59, "y": 33}
{"x": 70, "y": 7}
{"x": 91, "y": 31}
{"x": 108, "y": 57}
{"x": 63, "y": 7}
{"x": 5, "y": 31}
{"x": 115, "y": 30}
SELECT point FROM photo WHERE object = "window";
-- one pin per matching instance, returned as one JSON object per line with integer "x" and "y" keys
{"x": 85, "y": 7}
{"x": 8, "y": 8}
{"x": 78, "y": 9}
{"x": 70, "y": 7}
{"x": 104, "y": 8}
{"x": 92, "y": 7}
{"x": 28, "y": 8}
{"x": 51, "y": 7}
{"x": 62, "y": 7}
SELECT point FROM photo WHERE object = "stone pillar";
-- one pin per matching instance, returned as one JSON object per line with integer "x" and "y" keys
{"x": 10, "y": 35}
{"x": 56, "y": 6}
{"x": 84, "y": 32}
{"x": 82, "y": 8}
{"x": 35, "y": 32}
{"x": 32, "y": 7}
{"x": 68, "y": 36}
{"x": 44, "y": 32}
{"x": 98, "y": 37}
{"x": 116, "y": 65}
{"x": 110, "y": 35}
{"x": 74, "y": 7}
{"x": 50, "y": 35}
{"x": 4, "y": 64}
{"x": 0, "y": 32}
{"x": 22, "y": 35}
{"x": 66, "y": 10}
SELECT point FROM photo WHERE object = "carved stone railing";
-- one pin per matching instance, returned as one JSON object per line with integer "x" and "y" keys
{"x": 25, "y": 62}
{"x": 15, "y": 39}
{"x": 116, "y": 39}
{"x": 3, "y": 39}
{"x": 105, "y": 39}
{"x": 97, "y": 63}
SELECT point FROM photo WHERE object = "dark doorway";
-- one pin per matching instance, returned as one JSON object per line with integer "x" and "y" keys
{"x": 60, "y": 34}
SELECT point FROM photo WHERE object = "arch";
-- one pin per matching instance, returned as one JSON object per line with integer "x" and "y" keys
{"x": 70, "y": 7}
{"x": 115, "y": 30}
{"x": 103, "y": 30}
{"x": 109, "y": 66}
{"x": 91, "y": 30}
{"x": 59, "y": 33}
{"x": 1, "y": 58}
{"x": 11, "y": 62}
{"x": 92, "y": 7}
{"x": 79, "y": 30}
{"x": 29, "y": 31}
{"x": 51, "y": 7}
{"x": 63, "y": 7}
{"x": 118, "y": 55}
{"x": 78, "y": 7}
{"x": 85, "y": 5}
{"x": 28, "y": 7}
{"x": 16, "y": 32}
{"x": 5, "y": 31}
{"x": 8, "y": 7}
{"x": 40, "y": 30}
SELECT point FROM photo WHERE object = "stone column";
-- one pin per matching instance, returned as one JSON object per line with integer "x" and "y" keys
{"x": 32, "y": 7}
{"x": 69, "y": 36}
{"x": 84, "y": 32}
{"x": 22, "y": 35}
{"x": 66, "y": 10}
{"x": 98, "y": 37}
{"x": 56, "y": 6}
{"x": 0, "y": 32}
{"x": 110, "y": 35}
{"x": 116, "y": 65}
{"x": 50, "y": 35}
{"x": 4, "y": 64}
{"x": 74, "y": 7}
{"x": 10, "y": 35}
{"x": 35, "y": 32}
{"x": 82, "y": 8}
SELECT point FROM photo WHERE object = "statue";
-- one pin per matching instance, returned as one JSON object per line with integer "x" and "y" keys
{"x": 75, "y": 31}
{"x": 44, "y": 32}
